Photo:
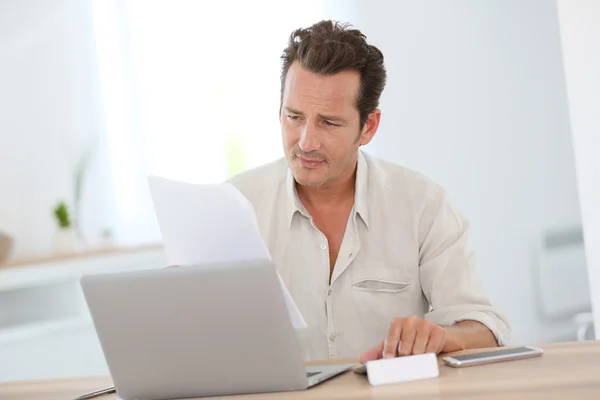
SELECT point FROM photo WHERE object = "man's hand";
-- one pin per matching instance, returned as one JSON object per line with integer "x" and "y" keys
{"x": 412, "y": 335}
{"x": 408, "y": 336}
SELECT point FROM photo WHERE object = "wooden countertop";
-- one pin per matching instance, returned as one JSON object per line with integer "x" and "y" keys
{"x": 566, "y": 370}
{"x": 74, "y": 255}
{"x": 47, "y": 269}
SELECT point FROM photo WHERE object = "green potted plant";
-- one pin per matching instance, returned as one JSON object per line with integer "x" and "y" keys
{"x": 66, "y": 236}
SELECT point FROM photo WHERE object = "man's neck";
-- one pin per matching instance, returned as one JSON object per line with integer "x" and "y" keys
{"x": 337, "y": 192}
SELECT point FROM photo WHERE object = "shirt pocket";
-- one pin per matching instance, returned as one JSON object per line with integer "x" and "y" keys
{"x": 378, "y": 296}
{"x": 382, "y": 280}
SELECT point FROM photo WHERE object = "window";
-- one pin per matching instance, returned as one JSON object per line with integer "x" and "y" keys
{"x": 190, "y": 92}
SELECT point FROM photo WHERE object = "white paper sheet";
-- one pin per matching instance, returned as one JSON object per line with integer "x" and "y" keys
{"x": 202, "y": 224}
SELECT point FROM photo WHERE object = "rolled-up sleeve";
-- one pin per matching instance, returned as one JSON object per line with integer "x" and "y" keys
{"x": 447, "y": 271}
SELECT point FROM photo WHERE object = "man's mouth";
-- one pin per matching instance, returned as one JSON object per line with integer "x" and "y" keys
{"x": 308, "y": 162}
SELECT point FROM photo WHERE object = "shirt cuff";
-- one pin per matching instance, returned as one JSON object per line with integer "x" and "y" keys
{"x": 500, "y": 330}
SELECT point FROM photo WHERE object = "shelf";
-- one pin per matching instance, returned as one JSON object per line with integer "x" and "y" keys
{"x": 35, "y": 330}
{"x": 77, "y": 255}
{"x": 53, "y": 270}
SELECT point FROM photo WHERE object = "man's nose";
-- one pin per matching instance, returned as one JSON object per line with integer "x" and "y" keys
{"x": 309, "y": 140}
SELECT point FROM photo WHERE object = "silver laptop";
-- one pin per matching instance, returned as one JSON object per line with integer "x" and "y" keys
{"x": 198, "y": 331}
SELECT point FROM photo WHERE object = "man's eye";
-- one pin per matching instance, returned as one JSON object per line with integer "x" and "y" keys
{"x": 294, "y": 117}
{"x": 329, "y": 123}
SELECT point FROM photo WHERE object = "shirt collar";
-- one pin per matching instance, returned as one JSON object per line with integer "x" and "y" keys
{"x": 361, "y": 196}
{"x": 361, "y": 200}
{"x": 293, "y": 202}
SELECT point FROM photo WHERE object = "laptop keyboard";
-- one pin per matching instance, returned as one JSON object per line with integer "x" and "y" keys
{"x": 309, "y": 374}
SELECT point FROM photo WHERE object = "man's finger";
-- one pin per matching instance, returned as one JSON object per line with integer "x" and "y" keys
{"x": 421, "y": 339}
{"x": 436, "y": 341}
{"x": 372, "y": 354}
{"x": 390, "y": 347}
{"x": 442, "y": 344}
{"x": 409, "y": 332}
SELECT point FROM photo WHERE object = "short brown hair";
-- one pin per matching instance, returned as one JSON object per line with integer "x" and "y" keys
{"x": 329, "y": 47}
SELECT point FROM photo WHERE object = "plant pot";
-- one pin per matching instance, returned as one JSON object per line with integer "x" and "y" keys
{"x": 66, "y": 240}
{"x": 6, "y": 245}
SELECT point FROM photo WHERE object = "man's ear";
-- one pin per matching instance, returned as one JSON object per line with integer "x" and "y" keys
{"x": 370, "y": 127}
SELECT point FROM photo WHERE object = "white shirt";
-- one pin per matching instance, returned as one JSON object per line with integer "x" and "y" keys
{"x": 404, "y": 253}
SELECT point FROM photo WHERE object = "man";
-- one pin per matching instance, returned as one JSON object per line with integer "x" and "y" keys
{"x": 371, "y": 252}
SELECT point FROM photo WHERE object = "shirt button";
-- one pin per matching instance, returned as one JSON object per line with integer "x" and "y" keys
{"x": 332, "y": 337}
{"x": 323, "y": 246}
{"x": 350, "y": 256}
{"x": 329, "y": 292}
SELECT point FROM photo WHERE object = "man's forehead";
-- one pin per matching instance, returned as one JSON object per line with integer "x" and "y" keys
{"x": 302, "y": 84}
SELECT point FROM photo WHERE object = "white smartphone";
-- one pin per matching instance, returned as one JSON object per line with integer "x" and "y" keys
{"x": 488, "y": 357}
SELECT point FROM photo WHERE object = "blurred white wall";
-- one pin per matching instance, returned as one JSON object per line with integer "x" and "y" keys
{"x": 49, "y": 110}
{"x": 476, "y": 100}
{"x": 580, "y": 38}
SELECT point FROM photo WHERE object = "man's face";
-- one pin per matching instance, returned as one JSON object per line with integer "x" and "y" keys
{"x": 321, "y": 125}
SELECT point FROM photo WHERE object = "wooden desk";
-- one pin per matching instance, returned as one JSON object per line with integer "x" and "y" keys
{"x": 566, "y": 370}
